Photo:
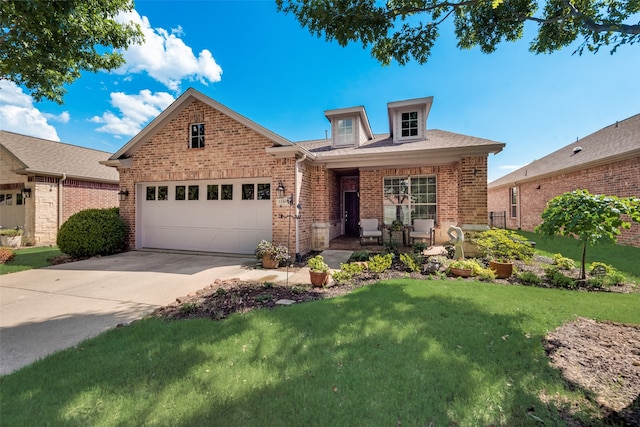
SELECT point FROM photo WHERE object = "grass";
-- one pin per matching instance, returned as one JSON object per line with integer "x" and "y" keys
{"x": 29, "y": 258}
{"x": 399, "y": 352}
{"x": 623, "y": 258}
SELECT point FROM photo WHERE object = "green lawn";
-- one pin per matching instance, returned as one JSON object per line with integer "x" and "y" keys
{"x": 402, "y": 352}
{"x": 624, "y": 258}
{"x": 29, "y": 258}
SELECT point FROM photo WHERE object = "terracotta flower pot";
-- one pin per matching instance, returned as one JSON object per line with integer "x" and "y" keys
{"x": 268, "y": 261}
{"x": 462, "y": 272}
{"x": 502, "y": 269}
{"x": 319, "y": 279}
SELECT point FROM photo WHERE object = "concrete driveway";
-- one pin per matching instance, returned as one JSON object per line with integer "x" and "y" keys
{"x": 50, "y": 309}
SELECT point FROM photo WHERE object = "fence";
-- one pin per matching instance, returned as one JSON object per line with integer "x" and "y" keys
{"x": 498, "y": 219}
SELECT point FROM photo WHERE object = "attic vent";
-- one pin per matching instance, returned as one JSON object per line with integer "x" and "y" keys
{"x": 576, "y": 150}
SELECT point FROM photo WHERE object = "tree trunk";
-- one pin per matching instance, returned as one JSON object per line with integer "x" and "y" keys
{"x": 583, "y": 274}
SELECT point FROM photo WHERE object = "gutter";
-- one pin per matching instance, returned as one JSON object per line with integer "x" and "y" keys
{"x": 60, "y": 199}
{"x": 296, "y": 186}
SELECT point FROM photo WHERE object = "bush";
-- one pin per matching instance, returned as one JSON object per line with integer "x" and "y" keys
{"x": 563, "y": 263}
{"x": 6, "y": 255}
{"x": 347, "y": 272}
{"x": 380, "y": 263}
{"x": 93, "y": 232}
{"x": 360, "y": 256}
{"x": 557, "y": 278}
{"x": 499, "y": 244}
{"x": 611, "y": 278}
{"x": 419, "y": 248}
{"x": 529, "y": 278}
{"x": 412, "y": 262}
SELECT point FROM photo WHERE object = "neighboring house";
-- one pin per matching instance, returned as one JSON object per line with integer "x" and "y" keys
{"x": 43, "y": 183}
{"x": 605, "y": 162}
{"x": 202, "y": 177}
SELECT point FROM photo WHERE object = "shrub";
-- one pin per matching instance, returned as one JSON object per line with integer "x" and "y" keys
{"x": 557, "y": 278}
{"x": 11, "y": 232}
{"x": 483, "y": 273}
{"x": 563, "y": 263}
{"x": 380, "y": 263}
{"x": 360, "y": 256}
{"x": 612, "y": 276}
{"x": 347, "y": 272}
{"x": 412, "y": 262}
{"x": 529, "y": 278}
{"x": 6, "y": 255}
{"x": 93, "y": 232}
{"x": 504, "y": 244}
{"x": 419, "y": 248}
{"x": 317, "y": 264}
{"x": 279, "y": 252}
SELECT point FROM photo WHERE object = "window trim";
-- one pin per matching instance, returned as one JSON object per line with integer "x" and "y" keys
{"x": 419, "y": 126}
{"x": 343, "y": 139}
{"x": 513, "y": 202}
{"x": 199, "y": 138}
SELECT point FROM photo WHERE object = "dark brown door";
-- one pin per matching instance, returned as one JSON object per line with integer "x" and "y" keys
{"x": 351, "y": 214}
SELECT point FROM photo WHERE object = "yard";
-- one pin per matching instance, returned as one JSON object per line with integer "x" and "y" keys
{"x": 409, "y": 352}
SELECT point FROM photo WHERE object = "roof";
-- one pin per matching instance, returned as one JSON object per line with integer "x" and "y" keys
{"x": 45, "y": 157}
{"x": 438, "y": 145}
{"x": 175, "y": 108}
{"x": 615, "y": 142}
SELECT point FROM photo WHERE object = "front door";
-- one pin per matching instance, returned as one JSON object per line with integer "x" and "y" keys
{"x": 351, "y": 214}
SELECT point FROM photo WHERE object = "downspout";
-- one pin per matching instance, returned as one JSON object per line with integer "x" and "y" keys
{"x": 297, "y": 186}
{"x": 60, "y": 213}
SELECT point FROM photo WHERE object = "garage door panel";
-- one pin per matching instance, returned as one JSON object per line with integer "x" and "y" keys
{"x": 234, "y": 226}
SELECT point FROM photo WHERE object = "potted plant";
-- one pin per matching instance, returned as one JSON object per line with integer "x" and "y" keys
{"x": 501, "y": 247}
{"x": 463, "y": 267}
{"x": 270, "y": 254}
{"x": 318, "y": 271}
{"x": 11, "y": 237}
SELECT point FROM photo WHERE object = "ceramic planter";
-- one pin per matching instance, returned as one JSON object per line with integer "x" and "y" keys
{"x": 502, "y": 269}
{"x": 319, "y": 279}
{"x": 268, "y": 261}
{"x": 462, "y": 272}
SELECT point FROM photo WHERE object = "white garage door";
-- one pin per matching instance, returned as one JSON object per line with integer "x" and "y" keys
{"x": 229, "y": 216}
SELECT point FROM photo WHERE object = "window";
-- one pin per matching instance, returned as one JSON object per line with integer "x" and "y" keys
{"x": 196, "y": 139}
{"x": 227, "y": 192}
{"x": 19, "y": 199}
{"x": 212, "y": 192}
{"x": 8, "y": 199}
{"x": 344, "y": 132}
{"x": 409, "y": 124}
{"x": 247, "y": 191}
{"x": 194, "y": 192}
{"x": 163, "y": 192}
{"x": 409, "y": 198}
{"x": 151, "y": 193}
{"x": 1, "y": 199}
{"x": 264, "y": 191}
{"x": 514, "y": 202}
{"x": 180, "y": 192}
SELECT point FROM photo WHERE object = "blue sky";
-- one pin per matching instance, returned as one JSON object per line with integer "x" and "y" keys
{"x": 263, "y": 65}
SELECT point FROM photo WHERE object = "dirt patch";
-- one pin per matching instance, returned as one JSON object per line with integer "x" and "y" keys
{"x": 604, "y": 358}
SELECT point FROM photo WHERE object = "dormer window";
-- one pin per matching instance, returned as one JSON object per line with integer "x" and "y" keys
{"x": 196, "y": 139}
{"x": 409, "y": 124}
{"x": 344, "y": 132}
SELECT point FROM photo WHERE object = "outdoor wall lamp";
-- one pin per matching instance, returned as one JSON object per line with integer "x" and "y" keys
{"x": 26, "y": 192}
{"x": 123, "y": 194}
{"x": 280, "y": 190}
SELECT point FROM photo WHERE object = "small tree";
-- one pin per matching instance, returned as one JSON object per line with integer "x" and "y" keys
{"x": 588, "y": 217}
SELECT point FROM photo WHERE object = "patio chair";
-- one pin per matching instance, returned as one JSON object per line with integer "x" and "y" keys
{"x": 423, "y": 229}
{"x": 369, "y": 229}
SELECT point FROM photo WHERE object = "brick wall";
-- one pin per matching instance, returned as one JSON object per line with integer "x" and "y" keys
{"x": 231, "y": 150}
{"x": 621, "y": 178}
{"x": 79, "y": 195}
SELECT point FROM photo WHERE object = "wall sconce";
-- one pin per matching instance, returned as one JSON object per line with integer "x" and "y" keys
{"x": 123, "y": 194}
{"x": 280, "y": 190}
{"x": 26, "y": 192}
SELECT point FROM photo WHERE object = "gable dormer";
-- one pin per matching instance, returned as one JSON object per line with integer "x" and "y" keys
{"x": 349, "y": 127}
{"x": 408, "y": 119}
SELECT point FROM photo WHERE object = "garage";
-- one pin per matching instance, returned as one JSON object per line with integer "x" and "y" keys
{"x": 226, "y": 216}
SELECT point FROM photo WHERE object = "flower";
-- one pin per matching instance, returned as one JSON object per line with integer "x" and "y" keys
{"x": 279, "y": 252}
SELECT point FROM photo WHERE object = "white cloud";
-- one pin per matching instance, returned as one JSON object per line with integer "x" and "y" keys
{"x": 135, "y": 112}
{"x": 62, "y": 117}
{"x": 17, "y": 113}
{"x": 166, "y": 58}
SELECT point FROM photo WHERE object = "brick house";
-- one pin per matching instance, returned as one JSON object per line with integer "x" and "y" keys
{"x": 605, "y": 162}
{"x": 203, "y": 177}
{"x": 43, "y": 183}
